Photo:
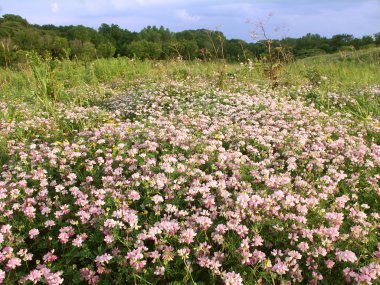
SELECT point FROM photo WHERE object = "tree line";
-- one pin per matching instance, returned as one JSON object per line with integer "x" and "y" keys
{"x": 18, "y": 36}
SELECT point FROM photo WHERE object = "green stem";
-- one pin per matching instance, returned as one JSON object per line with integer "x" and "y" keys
{"x": 141, "y": 278}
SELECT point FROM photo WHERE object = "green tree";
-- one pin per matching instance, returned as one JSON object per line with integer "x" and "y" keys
{"x": 14, "y": 18}
{"x": 341, "y": 40}
{"x": 59, "y": 47}
{"x": 367, "y": 41}
{"x": 144, "y": 49}
{"x": 116, "y": 36}
{"x": 237, "y": 50}
{"x": 377, "y": 38}
{"x": 83, "y": 51}
{"x": 106, "y": 50}
{"x": 310, "y": 44}
{"x": 81, "y": 33}
{"x": 186, "y": 49}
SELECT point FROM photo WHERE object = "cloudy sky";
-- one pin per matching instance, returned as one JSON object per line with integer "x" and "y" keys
{"x": 236, "y": 18}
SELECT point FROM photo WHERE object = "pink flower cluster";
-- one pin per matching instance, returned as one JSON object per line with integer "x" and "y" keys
{"x": 245, "y": 185}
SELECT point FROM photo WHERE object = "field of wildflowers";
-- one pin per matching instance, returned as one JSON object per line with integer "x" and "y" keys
{"x": 179, "y": 182}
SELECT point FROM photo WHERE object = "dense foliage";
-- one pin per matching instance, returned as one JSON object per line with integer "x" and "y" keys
{"x": 80, "y": 42}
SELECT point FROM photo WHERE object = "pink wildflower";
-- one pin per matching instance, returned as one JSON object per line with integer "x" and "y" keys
{"x": 49, "y": 223}
{"x": 49, "y": 257}
{"x": 157, "y": 199}
{"x": 280, "y": 268}
{"x": 53, "y": 278}
{"x": 89, "y": 275}
{"x": 6, "y": 229}
{"x": 184, "y": 252}
{"x": 13, "y": 263}
{"x": 134, "y": 195}
{"x": 329, "y": 263}
{"x": 2, "y": 276}
{"x": 187, "y": 236}
{"x": 33, "y": 233}
{"x": 34, "y": 276}
{"x": 109, "y": 239}
{"x": 30, "y": 212}
{"x": 72, "y": 176}
{"x": 78, "y": 241}
{"x": 232, "y": 278}
{"x": 136, "y": 259}
{"x": 160, "y": 270}
{"x": 63, "y": 237}
{"x": 105, "y": 258}
{"x": 303, "y": 246}
{"x": 204, "y": 222}
{"x": 346, "y": 255}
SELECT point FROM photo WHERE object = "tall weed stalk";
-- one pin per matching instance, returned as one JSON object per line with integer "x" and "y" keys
{"x": 45, "y": 87}
{"x": 276, "y": 55}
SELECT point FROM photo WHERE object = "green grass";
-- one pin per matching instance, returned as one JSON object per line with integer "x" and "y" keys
{"x": 44, "y": 83}
{"x": 70, "y": 81}
{"x": 344, "y": 71}
{"x": 365, "y": 55}
{"x": 347, "y": 76}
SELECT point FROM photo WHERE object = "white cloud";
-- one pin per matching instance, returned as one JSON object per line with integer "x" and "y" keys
{"x": 184, "y": 15}
{"x": 54, "y": 7}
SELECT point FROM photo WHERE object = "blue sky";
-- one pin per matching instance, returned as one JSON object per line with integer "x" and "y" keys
{"x": 236, "y": 18}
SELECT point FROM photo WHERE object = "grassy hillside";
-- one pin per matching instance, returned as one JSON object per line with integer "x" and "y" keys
{"x": 344, "y": 70}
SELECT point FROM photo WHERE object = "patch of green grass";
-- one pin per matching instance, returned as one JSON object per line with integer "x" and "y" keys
{"x": 339, "y": 82}
{"x": 344, "y": 71}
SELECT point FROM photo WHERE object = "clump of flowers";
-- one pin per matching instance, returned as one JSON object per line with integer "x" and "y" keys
{"x": 189, "y": 184}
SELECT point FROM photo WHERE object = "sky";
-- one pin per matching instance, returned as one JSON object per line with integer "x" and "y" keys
{"x": 235, "y": 18}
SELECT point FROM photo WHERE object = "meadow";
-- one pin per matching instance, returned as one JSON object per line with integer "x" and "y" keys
{"x": 120, "y": 171}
